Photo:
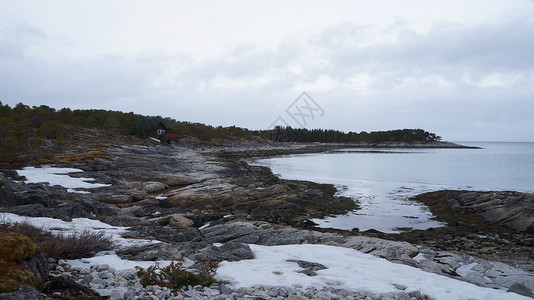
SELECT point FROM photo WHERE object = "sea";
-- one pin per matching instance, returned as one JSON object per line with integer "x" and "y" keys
{"x": 382, "y": 181}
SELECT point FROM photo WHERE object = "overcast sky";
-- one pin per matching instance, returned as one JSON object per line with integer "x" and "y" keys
{"x": 462, "y": 69}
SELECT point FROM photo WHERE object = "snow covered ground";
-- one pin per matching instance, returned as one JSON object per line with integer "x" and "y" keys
{"x": 345, "y": 268}
{"x": 59, "y": 176}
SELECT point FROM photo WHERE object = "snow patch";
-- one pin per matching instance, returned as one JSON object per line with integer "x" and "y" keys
{"x": 114, "y": 261}
{"x": 465, "y": 269}
{"x": 419, "y": 257}
{"x": 59, "y": 176}
{"x": 204, "y": 226}
{"x": 346, "y": 269}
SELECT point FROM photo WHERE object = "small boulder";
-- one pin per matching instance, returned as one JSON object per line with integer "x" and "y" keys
{"x": 180, "y": 180}
{"x": 38, "y": 265}
{"x": 138, "y": 195}
{"x": 179, "y": 221}
{"x": 117, "y": 199}
{"x": 153, "y": 187}
{"x": 520, "y": 289}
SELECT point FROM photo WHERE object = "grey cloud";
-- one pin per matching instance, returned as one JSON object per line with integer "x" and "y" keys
{"x": 180, "y": 87}
{"x": 482, "y": 48}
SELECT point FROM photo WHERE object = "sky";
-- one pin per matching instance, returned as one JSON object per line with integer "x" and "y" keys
{"x": 461, "y": 69}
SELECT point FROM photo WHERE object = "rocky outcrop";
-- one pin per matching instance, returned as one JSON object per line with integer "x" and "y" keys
{"x": 512, "y": 209}
{"x": 40, "y": 200}
{"x": 38, "y": 265}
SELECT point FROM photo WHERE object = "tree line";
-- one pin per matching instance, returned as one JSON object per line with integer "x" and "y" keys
{"x": 288, "y": 134}
{"x": 25, "y": 129}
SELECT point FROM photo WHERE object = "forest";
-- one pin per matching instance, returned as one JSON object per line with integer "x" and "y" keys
{"x": 24, "y": 129}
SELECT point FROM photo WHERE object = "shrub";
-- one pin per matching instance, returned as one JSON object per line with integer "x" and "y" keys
{"x": 174, "y": 276}
{"x": 83, "y": 244}
{"x": 72, "y": 245}
{"x": 15, "y": 247}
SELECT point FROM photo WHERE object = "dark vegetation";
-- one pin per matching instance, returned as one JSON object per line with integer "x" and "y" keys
{"x": 68, "y": 246}
{"x": 174, "y": 276}
{"x": 28, "y": 133}
{"x": 19, "y": 242}
{"x": 14, "y": 249}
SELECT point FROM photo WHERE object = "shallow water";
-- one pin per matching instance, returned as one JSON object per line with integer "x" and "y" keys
{"x": 382, "y": 180}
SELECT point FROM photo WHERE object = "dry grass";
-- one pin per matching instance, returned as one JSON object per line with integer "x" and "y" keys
{"x": 69, "y": 245}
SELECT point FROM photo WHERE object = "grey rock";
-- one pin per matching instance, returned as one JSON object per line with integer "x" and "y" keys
{"x": 116, "y": 294}
{"x": 129, "y": 274}
{"x": 153, "y": 187}
{"x": 151, "y": 252}
{"x": 106, "y": 275}
{"x": 86, "y": 279}
{"x": 223, "y": 289}
{"x": 309, "y": 267}
{"x": 102, "y": 267}
{"x": 512, "y": 209}
{"x": 179, "y": 221}
{"x": 38, "y": 265}
{"x": 166, "y": 234}
{"x": 25, "y": 292}
{"x": 520, "y": 289}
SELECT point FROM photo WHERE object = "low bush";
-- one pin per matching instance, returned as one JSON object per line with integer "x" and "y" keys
{"x": 14, "y": 248}
{"x": 174, "y": 276}
{"x": 69, "y": 245}
{"x": 83, "y": 244}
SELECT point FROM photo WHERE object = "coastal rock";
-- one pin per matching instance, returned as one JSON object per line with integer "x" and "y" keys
{"x": 512, "y": 209}
{"x": 521, "y": 289}
{"x": 198, "y": 251}
{"x": 38, "y": 265}
{"x": 263, "y": 233}
{"x": 153, "y": 187}
{"x": 174, "y": 220}
{"x": 25, "y": 292}
{"x": 165, "y": 234}
{"x": 309, "y": 267}
{"x": 401, "y": 252}
{"x": 235, "y": 251}
{"x": 116, "y": 199}
{"x": 212, "y": 193}
{"x": 179, "y": 221}
{"x": 12, "y": 194}
{"x": 138, "y": 195}
{"x": 179, "y": 180}
{"x": 151, "y": 253}
{"x": 65, "y": 212}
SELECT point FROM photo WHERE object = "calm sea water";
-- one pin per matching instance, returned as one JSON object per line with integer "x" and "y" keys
{"x": 382, "y": 180}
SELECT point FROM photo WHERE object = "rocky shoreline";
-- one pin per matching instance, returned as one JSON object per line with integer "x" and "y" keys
{"x": 197, "y": 197}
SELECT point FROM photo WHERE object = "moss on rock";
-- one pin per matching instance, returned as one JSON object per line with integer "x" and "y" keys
{"x": 13, "y": 276}
{"x": 14, "y": 248}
